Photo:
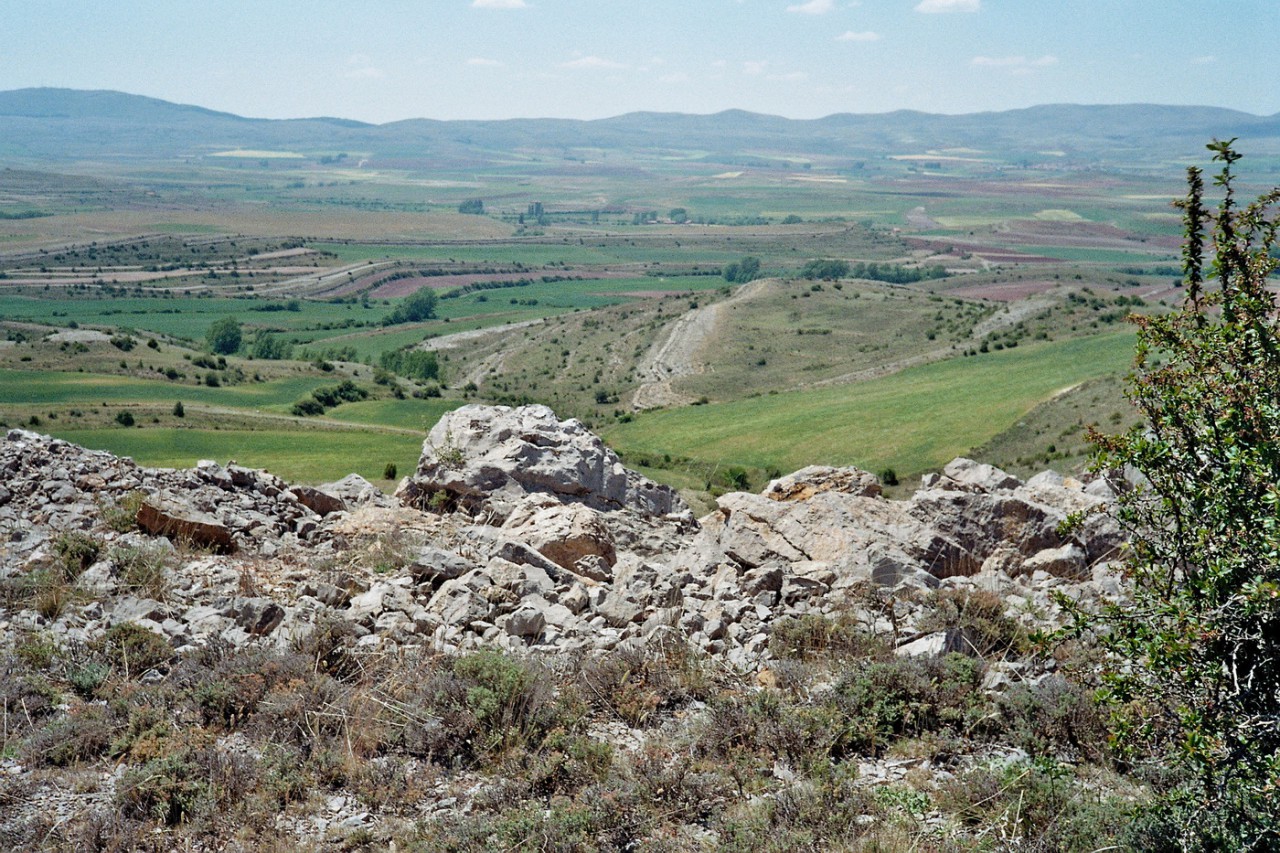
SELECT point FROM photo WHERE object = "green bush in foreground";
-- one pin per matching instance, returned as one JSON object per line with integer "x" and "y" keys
{"x": 1194, "y": 666}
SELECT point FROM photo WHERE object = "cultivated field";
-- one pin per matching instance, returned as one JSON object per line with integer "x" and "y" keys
{"x": 597, "y": 289}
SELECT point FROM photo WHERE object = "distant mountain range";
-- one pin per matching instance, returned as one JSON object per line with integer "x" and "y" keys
{"x": 53, "y": 125}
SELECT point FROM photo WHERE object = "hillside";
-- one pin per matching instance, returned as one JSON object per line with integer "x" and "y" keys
{"x": 61, "y": 124}
{"x": 531, "y": 642}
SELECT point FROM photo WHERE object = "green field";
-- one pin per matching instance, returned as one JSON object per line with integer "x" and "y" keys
{"x": 304, "y": 457}
{"x": 912, "y": 421}
{"x": 418, "y": 415}
{"x": 38, "y": 387}
{"x": 181, "y": 316}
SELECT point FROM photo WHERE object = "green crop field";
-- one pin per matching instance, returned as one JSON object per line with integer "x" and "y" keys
{"x": 912, "y": 421}
{"x": 310, "y": 457}
{"x": 26, "y": 388}
{"x": 418, "y": 415}
{"x": 183, "y": 317}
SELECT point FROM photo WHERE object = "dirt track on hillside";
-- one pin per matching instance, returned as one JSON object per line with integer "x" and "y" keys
{"x": 676, "y": 353}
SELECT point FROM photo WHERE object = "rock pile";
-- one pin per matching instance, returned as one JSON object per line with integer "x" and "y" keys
{"x": 541, "y": 540}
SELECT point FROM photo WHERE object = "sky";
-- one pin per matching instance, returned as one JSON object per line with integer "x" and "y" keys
{"x": 385, "y": 60}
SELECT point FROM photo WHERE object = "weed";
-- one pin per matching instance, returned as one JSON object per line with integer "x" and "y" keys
{"x": 122, "y": 515}
{"x": 77, "y": 552}
{"x": 141, "y": 568}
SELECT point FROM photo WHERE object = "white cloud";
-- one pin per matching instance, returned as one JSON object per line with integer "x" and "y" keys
{"x": 813, "y": 7}
{"x": 482, "y": 62}
{"x": 678, "y": 77}
{"x": 592, "y": 62}
{"x": 499, "y": 4}
{"x": 790, "y": 77}
{"x": 1204, "y": 60}
{"x": 939, "y": 6}
{"x": 850, "y": 35}
{"x": 754, "y": 67}
{"x": 1013, "y": 62}
{"x": 367, "y": 73}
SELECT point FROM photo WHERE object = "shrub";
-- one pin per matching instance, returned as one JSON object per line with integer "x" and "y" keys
{"x": 83, "y": 734}
{"x": 47, "y": 591}
{"x": 979, "y": 616}
{"x": 389, "y": 471}
{"x": 125, "y": 419}
{"x": 814, "y": 635}
{"x": 888, "y": 700}
{"x": 132, "y": 649}
{"x": 509, "y": 698}
{"x": 635, "y": 684}
{"x": 170, "y": 790}
{"x": 1194, "y": 656}
{"x": 122, "y": 515}
{"x": 307, "y": 408}
{"x": 1054, "y": 717}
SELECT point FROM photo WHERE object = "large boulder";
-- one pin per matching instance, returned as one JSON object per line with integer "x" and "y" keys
{"x": 486, "y": 459}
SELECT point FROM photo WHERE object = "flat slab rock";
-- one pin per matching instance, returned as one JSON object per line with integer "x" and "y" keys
{"x": 180, "y": 523}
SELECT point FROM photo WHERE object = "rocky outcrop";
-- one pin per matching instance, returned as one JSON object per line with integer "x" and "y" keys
{"x": 487, "y": 458}
{"x": 543, "y": 541}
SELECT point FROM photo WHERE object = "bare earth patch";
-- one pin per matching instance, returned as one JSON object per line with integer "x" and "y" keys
{"x": 1011, "y": 291}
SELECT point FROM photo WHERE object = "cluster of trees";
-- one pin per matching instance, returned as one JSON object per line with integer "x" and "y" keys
{"x": 422, "y": 365}
{"x": 828, "y": 268}
{"x": 743, "y": 271}
{"x": 329, "y": 396}
{"x": 416, "y": 307}
{"x": 291, "y": 305}
{"x": 472, "y": 205}
{"x": 270, "y": 347}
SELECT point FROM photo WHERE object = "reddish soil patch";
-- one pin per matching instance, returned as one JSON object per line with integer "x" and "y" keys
{"x": 1093, "y": 235}
{"x": 1012, "y": 291}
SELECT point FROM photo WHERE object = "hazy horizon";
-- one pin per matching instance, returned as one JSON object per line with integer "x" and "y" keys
{"x": 501, "y": 59}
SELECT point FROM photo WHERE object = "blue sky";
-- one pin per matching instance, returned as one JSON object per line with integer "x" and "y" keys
{"x": 383, "y": 60}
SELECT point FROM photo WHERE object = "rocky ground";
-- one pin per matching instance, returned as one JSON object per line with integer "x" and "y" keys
{"x": 574, "y": 612}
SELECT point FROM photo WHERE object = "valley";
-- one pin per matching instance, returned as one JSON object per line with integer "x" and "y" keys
{"x": 978, "y": 293}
